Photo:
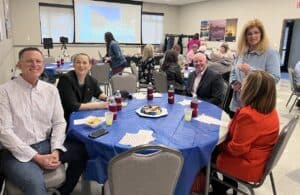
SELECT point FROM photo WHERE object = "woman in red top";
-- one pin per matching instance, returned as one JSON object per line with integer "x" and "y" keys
{"x": 253, "y": 132}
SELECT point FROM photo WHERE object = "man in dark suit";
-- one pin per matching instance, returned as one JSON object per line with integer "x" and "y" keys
{"x": 206, "y": 84}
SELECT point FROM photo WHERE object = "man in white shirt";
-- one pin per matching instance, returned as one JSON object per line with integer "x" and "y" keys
{"x": 32, "y": 130}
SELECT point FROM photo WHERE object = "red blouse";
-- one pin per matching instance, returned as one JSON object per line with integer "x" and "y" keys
{"x": 249, "y": 143}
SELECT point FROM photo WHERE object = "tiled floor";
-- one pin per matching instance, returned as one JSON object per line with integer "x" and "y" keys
{"x": 286, "y": 173}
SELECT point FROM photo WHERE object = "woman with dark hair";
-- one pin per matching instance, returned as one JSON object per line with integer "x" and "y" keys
{"x": 252, "y": 134}
{"x": 114, "y": 54}
{"x": 172, "y": 69}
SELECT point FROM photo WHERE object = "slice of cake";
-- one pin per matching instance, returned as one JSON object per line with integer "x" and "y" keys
{"x": 151, "y": 110}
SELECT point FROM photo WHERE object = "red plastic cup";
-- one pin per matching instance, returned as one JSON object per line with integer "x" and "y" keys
{"x": 119, "y": 103}
{"x": 171, "y": 97}
{"x": 113, "y": 108}
{"x": 58, "y": 63}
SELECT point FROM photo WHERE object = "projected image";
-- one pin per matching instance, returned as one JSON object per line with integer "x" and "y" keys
{"x": 93, "y": 19}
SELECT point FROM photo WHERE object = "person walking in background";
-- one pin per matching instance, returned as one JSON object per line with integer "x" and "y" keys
{"x": 254, "y": 53}
{"x": 77, "y": 88}
{"x": 114, "y": 54}
{"x": 252, "y": 134}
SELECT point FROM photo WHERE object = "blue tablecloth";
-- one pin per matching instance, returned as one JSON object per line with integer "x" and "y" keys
{"x": 52, "y": 69}
{"x": 196, "y": 140}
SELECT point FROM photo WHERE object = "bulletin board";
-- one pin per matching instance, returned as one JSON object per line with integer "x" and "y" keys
{"x": 219, "y": 30}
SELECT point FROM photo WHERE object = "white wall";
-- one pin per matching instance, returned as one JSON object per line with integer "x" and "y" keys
{"x": 6, "y": 53}
{"x": 271, "y": 12}
{"x": 27, "y": 31}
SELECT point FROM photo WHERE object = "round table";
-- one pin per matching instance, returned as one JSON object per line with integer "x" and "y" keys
{"x": 195, "y": 139}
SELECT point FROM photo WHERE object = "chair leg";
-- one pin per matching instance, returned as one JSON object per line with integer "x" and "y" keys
{"x": 289, "y": 100}
{"x": 293, "y": 105}
{"x": 207, "y": 180}
{"x": 273, "y": 183}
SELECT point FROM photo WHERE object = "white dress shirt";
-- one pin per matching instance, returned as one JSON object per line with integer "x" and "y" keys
{"x": 29, "y": 115}
{"x": 197, "y": 82}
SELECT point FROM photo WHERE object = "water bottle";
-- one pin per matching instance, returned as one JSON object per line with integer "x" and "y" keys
{"x": 150, "y": 92}
{"x": 112, "y": 106}
{"x": 194, "y": 106}
{"x": 118, "y": 100}
{"x": 171, "y": 95}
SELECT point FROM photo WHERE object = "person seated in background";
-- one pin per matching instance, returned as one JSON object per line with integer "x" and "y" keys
{"x": 173, "y": 71}
{"x": 146, "y": 66}
{"x": 221, "y": 60}
{"x": 76, "y": 88}
{"x": 297, "y": 72}
{"x": 32, "y": 130}
{"x": 190, "y": 55}
{"x": 194, "y": 41}
{"x": 252, "y": 134}
{"x": 205, "y": 83}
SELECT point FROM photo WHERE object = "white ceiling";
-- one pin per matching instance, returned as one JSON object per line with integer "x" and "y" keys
{"x": 172, "y": 2}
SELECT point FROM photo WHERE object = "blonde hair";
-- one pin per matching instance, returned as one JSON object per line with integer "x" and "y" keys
{"x": 243, "y": 46}
{"x": 148, "y": 52}
{"x": 74, "y": 57}
{"x": 259, "y": 91}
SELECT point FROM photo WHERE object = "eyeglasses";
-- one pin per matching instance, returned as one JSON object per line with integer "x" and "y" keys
{"x": 253, "y": 33}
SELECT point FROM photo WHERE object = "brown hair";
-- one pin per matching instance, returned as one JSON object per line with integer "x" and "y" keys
{"x": 21, "y": 52}
{"x": 171, "y": 59}
{"x": 225, "y": 46}
{"x": 259, "y": 91}
{"x": 243, "y": 46}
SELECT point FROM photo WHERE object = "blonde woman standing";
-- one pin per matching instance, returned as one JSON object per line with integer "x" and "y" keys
{"x": 254, "y": 53}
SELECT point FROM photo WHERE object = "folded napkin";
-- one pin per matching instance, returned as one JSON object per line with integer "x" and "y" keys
{"x": 211, "y": 120}
{"x": 136, "y": 139}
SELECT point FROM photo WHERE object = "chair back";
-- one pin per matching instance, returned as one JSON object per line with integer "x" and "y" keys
{"x": 146, "y": 169}
{"x": 134, "y": 70}
{"x": 226, "y": 92}
{"x": 101, "y": 73}
{"x": 279, "y": 147}
{"x": 291, "y": 77}
{"x": 124, "y": 81}
{"x": 160, "y": 81}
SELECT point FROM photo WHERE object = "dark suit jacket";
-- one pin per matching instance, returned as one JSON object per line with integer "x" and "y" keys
{"x": 72, "y": 95}
{"x": 210, "y": 87}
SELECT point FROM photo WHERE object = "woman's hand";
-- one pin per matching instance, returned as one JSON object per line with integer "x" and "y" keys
{"x": 236, "y": 86}
{"x": 245, "y": 68}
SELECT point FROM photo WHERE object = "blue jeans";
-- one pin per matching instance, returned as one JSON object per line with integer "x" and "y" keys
{"x": 28, "y": 176}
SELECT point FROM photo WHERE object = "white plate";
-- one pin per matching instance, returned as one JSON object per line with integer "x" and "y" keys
{"x": 94, "y": 125}
{"x": 164, "y": 112}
